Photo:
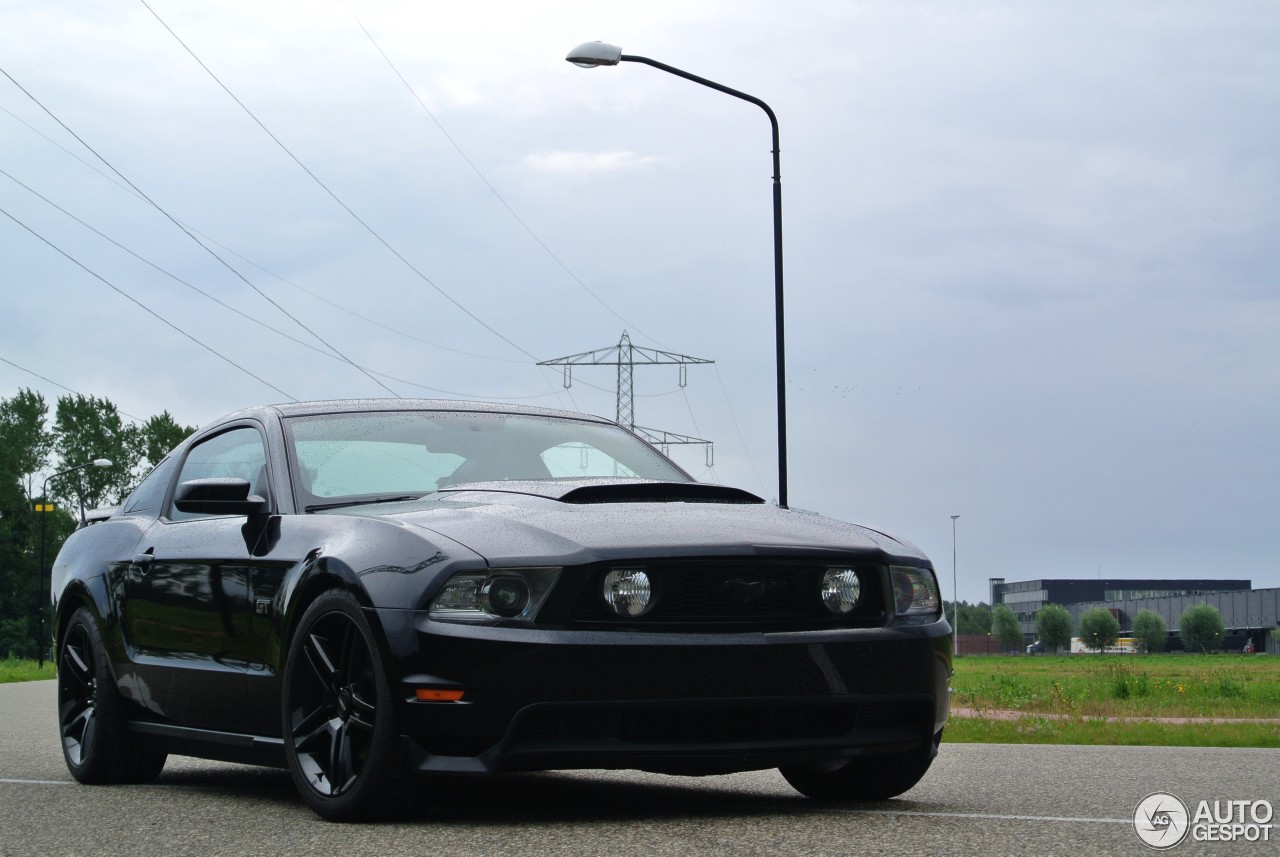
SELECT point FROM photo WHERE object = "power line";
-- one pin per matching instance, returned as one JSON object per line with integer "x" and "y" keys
{"x": 333, "y": 195}
{"x": 189, "y": 234}
{"x": 139, "y": 303}
{"x": 238, "y": 312}
{"x": 489, "y": 185}
{"x": 309, "y": 293}
{"x": 62, "y": 386}
{"x": 262, "y": 268}
{"x": 357, "y": 314}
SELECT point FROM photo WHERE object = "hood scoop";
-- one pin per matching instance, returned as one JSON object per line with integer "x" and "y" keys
{"x": 600, "y": 491}
{"x": 659, "y": 492}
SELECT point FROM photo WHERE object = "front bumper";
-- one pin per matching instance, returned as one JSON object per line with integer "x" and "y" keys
{"x": 677, "y": 703}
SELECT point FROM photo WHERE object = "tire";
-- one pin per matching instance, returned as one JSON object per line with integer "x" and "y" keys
{"x": 337, "y": 715}
{"x": 92, "y": 716}
{"x": 862, "y": 778}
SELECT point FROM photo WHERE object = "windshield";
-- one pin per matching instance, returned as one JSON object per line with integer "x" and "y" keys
{"x": 396, "y": 454}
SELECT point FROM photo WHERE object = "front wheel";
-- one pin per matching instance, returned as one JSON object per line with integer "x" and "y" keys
{"x": 92, "y": 716}
{"x": 339, "y": 727}
{"x": 862, "y": 778}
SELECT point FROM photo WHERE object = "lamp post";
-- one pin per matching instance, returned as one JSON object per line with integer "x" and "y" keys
{"x": 593, "y": 54}
{"x": 955, "y": 593}
{"x": 44, "y": 509}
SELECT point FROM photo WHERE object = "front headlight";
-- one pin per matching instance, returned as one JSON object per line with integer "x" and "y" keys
{"x": 915, "y": 594}
{"x": 494, "y": 596}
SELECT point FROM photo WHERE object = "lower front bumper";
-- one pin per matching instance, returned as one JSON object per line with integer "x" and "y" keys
{"x": 671, "y": 703}
{"x": 697, "y": 737}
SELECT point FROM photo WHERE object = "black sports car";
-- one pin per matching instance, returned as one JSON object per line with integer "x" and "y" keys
{"x": 361, "y": 591}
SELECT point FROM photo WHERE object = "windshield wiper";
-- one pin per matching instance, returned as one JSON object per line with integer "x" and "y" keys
{"x": 319, "y": 507}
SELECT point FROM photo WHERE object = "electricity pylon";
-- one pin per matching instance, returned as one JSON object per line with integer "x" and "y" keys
{"x": 626, "y": 357}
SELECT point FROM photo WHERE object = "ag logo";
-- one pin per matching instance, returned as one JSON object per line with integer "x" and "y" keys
{"x": 1161, "y": 820}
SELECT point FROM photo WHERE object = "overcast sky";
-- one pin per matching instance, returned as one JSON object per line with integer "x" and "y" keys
{"x": 1032, "y": 274}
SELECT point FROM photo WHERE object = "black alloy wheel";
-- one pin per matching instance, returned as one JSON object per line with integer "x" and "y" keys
{"x": 338, "y": 722}
{"x": 92, "y": 714}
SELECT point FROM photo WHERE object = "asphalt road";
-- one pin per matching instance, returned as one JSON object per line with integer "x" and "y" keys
{"x": 977, "y": 799}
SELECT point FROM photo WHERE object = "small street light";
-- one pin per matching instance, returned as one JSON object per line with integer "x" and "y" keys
{"x": 593, "y": 54}
{"x": 44, "y": 509}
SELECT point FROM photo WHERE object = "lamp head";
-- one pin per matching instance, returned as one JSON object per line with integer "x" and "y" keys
{"x": 102, "y": 462}
{"x": 592, "y": 54}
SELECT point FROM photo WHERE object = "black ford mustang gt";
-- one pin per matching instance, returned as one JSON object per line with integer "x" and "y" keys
{"x": 361, "y": 591}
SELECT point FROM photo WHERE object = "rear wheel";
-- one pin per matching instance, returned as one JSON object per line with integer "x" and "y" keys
{"x": 339, "y": 727}
{"x": 92, "y": 716}
{"x": 862, "y": 778}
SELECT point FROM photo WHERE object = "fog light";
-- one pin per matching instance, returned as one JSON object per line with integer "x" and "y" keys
{"x": 628, "y": 592}
{"x": 841, "y": 589}
{"x": 505, "y": 596}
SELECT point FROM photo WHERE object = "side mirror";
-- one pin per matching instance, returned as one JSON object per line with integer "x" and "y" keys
{"x": 220, "y": 495}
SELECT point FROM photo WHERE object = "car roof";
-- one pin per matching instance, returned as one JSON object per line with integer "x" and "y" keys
{"x": 349, "y": 406}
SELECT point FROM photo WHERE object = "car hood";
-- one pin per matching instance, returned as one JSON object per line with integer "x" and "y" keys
{"x": 583, "y": 521}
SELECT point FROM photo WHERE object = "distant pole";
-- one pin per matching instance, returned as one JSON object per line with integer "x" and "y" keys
{"x": 955, "y": 594}
{"x": 43, "y": 509}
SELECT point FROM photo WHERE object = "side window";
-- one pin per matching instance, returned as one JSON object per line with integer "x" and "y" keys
{"x": 148, "y": 497}
{"x": 237, "y": 453}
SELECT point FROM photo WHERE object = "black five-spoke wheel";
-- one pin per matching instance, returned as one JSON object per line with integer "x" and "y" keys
{"x": 338, "y": 722}
{"x": 77, "y": 696}
{"x": 92, "y": 716}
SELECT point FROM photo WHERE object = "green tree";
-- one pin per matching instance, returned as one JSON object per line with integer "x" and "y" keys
{"x": 25, "y": 443}
{"x": 1149, "y": 628}
{"x": 84, "y": 428}
{"x": 1005, "y": 627}
{"x": 1201, "y": 628}
{"x": 87, "y": 428}
{"x": 160, "y": 434}
{"x": 975, "y": 618}
{"x": 24, "y": 449}
{"x": 1053, "y": 624}
{"x": 1099, "y": 628}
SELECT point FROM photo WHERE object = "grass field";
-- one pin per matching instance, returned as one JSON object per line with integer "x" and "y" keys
{"x": 13, "y": 669}
{"x": 1037, "y": 729}
{"x": 1067, "y": 700}
{"x": 1122, "y": 685}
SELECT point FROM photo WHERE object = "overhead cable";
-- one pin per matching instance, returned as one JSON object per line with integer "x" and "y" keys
{"x": 333, "y": 195}
{"x": 192, "y": 236}
{"x": 492, "y": 189}
{"x": 62, "y": 386}
{"x": 265, "y": 270}
{"x": 143, "y": 306}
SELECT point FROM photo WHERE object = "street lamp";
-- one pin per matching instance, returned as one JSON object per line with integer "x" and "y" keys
{"x": 593, "y": 54}
{"x": 955, "y": 594}
{"x": 44, "y": 509}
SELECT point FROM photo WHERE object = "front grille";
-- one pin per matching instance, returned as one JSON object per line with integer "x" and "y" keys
{"x": 714, "y": 593}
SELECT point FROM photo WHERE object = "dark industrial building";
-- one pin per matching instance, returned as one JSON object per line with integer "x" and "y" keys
{"x": 1246, "y": 613}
